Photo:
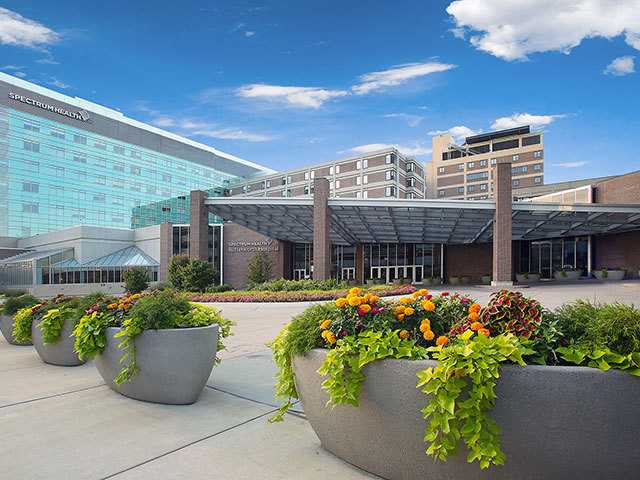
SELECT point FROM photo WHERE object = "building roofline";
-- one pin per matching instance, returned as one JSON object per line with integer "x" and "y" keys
{"x": 120, "y": 117}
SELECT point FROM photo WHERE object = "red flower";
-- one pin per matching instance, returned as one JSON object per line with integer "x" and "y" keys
{"x": 444, "y": 294}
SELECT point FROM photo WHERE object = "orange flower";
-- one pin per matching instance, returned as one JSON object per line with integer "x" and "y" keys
{"x": 364, "y": 308}
{"x": 484, "y": 331}
{"x": 355, "y": 291}
{"x": 428, "y": 335}
{"x": 400, "y": 317}
{"x": 112, "y": 306}
{"x": 399, "y": 309}
{"x": 406, "y": 300}
{"x": 428, "y": 305}
{"x": 374, "y": 299}
{"x": 341, "y": 302}
{"x": 442, "y": 341}
{"x": 329, "y": 337}
{"x": 425, "y": 325}
{"x": 474, "y": 317}
{"x": 475, "y": 307}
{"x": 324, "y": 324}
{"x": 404, "y": 334}
{"x": 409, "y": 311}
{"x": 355, "y": 301}
{"x": 475, "y": 326}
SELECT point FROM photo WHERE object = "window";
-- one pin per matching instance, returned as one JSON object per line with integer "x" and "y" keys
{"x": 507, "y": 144}
{"x": 411, "y": 167}
{"x": 358, "y": 164}
{"x": 135, "y": 154}
{"x": 474, "y": 177}
{"x": 58, "y": 210}
{"x": 30, "y": 208}
{"x": 337, "y": 183}
{"x": 80, "y": 158}
{"x": 283, "y": 181}
{"x": 365, "y": 179}
{"x": 306, "y": 190}
{"x": 390, "y": 159}
{"x": 31, "y": 187}
{"x": 166, "y": 209}
{"x": 533, "y": 140}
{"x": 33, "y": 166}
{"x": 56, "y": 190}
{"x": 365, "y": 194}
{"x": 537, "y": 167}
{"x": 57, "y": 151}
{"x": 515, "y": 158}
{"x": 390, "y": 192}
{"x": 365, "y": 163}
{"x": 268, "y": 183}
{"x": 537, "y": 180}
{"x": 358, "y": 180}
{"x": 306, "y": 175}
{"x": 494, "y": 161}
{"x": 31, "y": 127}
{"x": 409, "y": 195}
{"x": 31, "y": 146}
{"x": 313, "y": 174}
{"x": 101, "y": 180}
{"x": 441, "y": 193}
{"x": 440, "y": 169}
{"x": 119, "y": 150}
{"x": 166, "y": 178}
{"x": 519, "y": 170}
{"x": 81, "y": 174}
{"x": 118, "y": 166}
{"x": 483, "y": 187}
{"x": 289, "y": 179}
{"x": 135, "y": 170}
{"x": 460, "y": 189}
{"x": 358, "y": 194}
{"x": 58, "y": 171}
{"x": 483, "y": 163}
{"x": 471, "y": 188}
{"x": 537, "y": 154}
{"x": 516, "y": 183}
{"x": 337, "y": 169}
{"x": 411, "y": 182}
{"x": 57, "y": 134}
{"x": 80, "y": 139}
{"x": 331, "y": 170}
{"x": 460, "y": 167}
{"x": 117, "y": 183}
{"x": 100, "y": 145}
{"x": 118, "y": 200}
{"x": 471, "y": 164}
{"x": 136, "y": 187}
{"x": 390, "y": 175}
{"x": 98, "y": 197}
{"x": 151, "y": 189}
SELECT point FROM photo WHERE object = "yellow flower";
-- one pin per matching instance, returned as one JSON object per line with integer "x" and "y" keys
{"x": 324, "y": 324}
{"x": 135, "y": 296}
{"x": 442, "y": 341}
{"x": 406, "y": 300}
{"x": 355, "y": 291}
{"x": 428, "y": 335}
{"x": 409, "y": 311}
{"x": 425, "y": 325}
{"x": 354, "y": 301}
{"x": 329, "y": 336}
{"x": 404, "y": 334}
{"x": 428, "y": 305}
{"x": 341, "y": 302}
{"x": 423, "y": 291}
{"x": 112, "y": 306}
{"x": 400, "y": 317}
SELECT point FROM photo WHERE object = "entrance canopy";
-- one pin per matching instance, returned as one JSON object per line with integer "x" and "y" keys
{"x": 421, "y": 220}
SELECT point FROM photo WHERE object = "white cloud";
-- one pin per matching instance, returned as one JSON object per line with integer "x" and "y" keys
{"x": 570, "y": 164}
{"x": 621, "y": 66}
{"x": 233, "y": 134}
{"x": 415, "y": 151}
{"x": 373, "y": 81}
{"x": 18, "y": 30}
{"x": 513, "y": 29}
{"x": 57, "y": 83}
{"x": 163, "y": 121}
{"x": 307, "y": 97}
{"x": 249, "y": 33}
{"x": 16, "y": 71}
{"x": 459, "y": 132}
{"x": 412, "y": 120}
{"x": 520, "y": 119}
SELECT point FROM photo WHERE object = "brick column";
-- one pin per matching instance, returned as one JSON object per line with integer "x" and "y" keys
{"x": 321, "y": 230}
{"x": 360, "y": 263}
{"x": 166, "y": 249}
{"x": 199, "y": 227}
{"x": 502, "y": 271}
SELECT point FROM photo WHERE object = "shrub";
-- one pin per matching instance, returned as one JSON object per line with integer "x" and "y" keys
{"x": 136, "y": 279}
{"x": 175, "y": 271}
{"x": 15, "y": 303}
{"x": 259, "y": 268}
{"x": 197, "y": 275}
{"x": 225, "y": 287}
{"x": 283, "y": 285}
{"x": 12, "y": 293}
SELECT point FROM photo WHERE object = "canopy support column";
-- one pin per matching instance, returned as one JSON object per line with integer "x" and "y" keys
{"x": 359, "y": 263}
{"x": 502, "y": 225}
{"x": 321, "y": 230}
{"x": 199, "y": 227}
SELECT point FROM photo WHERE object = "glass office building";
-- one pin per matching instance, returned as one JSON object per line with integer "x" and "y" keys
{"x": 65, "y": 161}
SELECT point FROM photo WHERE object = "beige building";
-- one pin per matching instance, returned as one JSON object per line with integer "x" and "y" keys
{"x": 385, "y": 173}
{"x": 465, "y": 171}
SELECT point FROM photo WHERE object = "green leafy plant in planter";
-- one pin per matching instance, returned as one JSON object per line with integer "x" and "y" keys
{"x": 14, "y": 303}
{"x": 25, "y": 317}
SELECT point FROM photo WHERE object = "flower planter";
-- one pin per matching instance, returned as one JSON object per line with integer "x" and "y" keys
{"x": 454, "y": 280}
{"x": 6, "y": 327}
{"x": 174, "y": 364}
{"x": 529, "y": 278}
{"x": 610, "y": 275}
{"x": 567, "y": 275}
{"x": 557, "y": 422}
{"x": 59, "y": 353}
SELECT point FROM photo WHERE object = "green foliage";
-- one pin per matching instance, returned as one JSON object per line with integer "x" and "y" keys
{"x": 53, "y": 321}
{"x": 574, "y": 318}
{"x": 283, "y": 285}
{"x": 15, "y": 303}
{"x": 545, "y": 343}
{"x": 225, "y": 287}
{"x": 201, "y": 316}
{"x": 175, "y": 271}
{"x": 301, "y": 335}
{"x": 259, "y": 268}
{"x": 343, "y": 365}
{"x": 136, "y": 279}
{"x": 602, "y": 358}
{"x": 22, "y": 322}
{"x": 471, "y": 365}
{"x": 12, "y": 293}
{"x": 90, "y": 334}
{"x": 197, "y": 275}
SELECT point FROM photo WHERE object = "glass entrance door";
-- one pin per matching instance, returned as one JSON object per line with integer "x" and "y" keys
{"x": 545, "y": 260}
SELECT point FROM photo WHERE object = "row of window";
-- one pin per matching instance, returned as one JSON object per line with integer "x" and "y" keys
{"x": 493, "y": 161}
{"x": 493, "y": 147}
{"x": 483, "y": 187}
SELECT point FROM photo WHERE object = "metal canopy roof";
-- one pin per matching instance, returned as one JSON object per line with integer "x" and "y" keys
{"x": 420, "y": 221}
{"x": 32, "y": 255}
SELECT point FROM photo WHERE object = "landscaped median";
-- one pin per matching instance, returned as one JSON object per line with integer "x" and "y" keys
{"x": 384, "y": 382}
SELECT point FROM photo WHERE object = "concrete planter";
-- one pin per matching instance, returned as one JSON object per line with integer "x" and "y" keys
{"x": 566, "y": 276}
{"x": 454, "y": 281}
{"x": 529, "y": 278}
{"x": 610, "y": 275}
{"x": 175, "y": 364}
{"x": 6, "y": 327}
{"x": 485, "y": 279}
{"x": 59, "y": 353}
{"x": 557, "y": 422}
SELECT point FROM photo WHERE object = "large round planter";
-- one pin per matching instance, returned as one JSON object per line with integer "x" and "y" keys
{"x": 6, "y": 327}
{"x": 566, "y": 276}
{"x": 610, "y": 275}
{"x": 58, "y": 353}
{"x": 174, "y": 364}
{"x": 557, "y": 422}
{"x": 529, "y": 278}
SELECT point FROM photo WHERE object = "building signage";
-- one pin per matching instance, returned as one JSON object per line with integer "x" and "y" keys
{"x": 255, "y": 246}
{"x": 81, "y": 115}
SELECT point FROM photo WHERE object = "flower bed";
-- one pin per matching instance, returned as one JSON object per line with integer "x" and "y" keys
{"x": 384, "y": 365}
{"x": 246, "y": 296}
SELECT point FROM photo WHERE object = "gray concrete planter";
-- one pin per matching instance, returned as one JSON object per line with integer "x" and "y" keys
{"x": 59, "y": 353}
{"x": 528, "y": 278}
{"x": 557, "y": 422}
{"x": 610, "y": 275}
{"x": 566, "y": 276}
{"x": 6, "y": 327}
{"x": 175, "y": 364}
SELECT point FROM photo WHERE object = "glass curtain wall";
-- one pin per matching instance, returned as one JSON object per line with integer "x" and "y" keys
{"x": 548, "y": 256}
{"x": 388, "y": 262}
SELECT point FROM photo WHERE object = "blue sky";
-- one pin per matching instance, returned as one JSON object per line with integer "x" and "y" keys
{"x": 290, "y": 83}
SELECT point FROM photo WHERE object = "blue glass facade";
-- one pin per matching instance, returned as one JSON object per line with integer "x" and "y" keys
{"x": 53, "y": 175}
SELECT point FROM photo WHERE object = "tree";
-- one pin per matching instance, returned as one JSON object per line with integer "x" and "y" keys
{"x": 136, "y": 279}
{"x": 197, "y": 275}
{"x": 176, "y": 268}
{"x": 259, "y": 268}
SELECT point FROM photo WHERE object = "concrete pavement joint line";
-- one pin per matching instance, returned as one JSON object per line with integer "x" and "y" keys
{"x": 51, "y": 396}
{"x": 241, "y": 396}
{"x": 188, "y": 445}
